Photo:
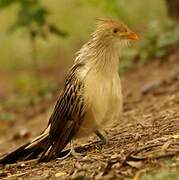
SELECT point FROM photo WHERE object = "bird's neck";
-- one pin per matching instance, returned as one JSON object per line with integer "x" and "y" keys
{"x": 100, "y": 57}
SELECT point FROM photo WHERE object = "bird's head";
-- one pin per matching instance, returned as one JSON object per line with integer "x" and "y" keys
{"x": 110, "y": 31}
{"x": 105, "y": 43}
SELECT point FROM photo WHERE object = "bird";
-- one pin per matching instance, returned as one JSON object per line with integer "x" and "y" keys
{"x": 90, "y": 99}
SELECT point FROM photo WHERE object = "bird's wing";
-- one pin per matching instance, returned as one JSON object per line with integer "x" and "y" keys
{"x": 67, "y": 115}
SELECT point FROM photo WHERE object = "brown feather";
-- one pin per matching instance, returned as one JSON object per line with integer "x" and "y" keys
{"x": 67, "y": 115}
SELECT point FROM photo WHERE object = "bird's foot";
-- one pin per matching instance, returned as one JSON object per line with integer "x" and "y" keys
{"x": 72, "y": 153}
{"x": 103, "y": 139}
{"x": 76, "y": 154}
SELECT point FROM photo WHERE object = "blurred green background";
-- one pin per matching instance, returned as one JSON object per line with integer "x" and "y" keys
{"x": 38, "y": 40}
{"x": 77, "y": 18}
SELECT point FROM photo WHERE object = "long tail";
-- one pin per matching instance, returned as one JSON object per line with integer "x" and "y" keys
{"x": 28, "y": 151}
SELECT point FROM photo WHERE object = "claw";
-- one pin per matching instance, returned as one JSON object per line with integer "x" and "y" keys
{"x": 72, "y": 152}
{"x": 102, "y": 138}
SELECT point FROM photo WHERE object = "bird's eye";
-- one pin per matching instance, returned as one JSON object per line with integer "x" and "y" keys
{"x": 115, "y": 30}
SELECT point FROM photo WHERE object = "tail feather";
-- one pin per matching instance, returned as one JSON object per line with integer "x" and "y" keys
{"x": 27, "y": 151}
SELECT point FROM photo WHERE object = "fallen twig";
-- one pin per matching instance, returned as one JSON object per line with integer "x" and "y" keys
{"x": 19, "y": 174}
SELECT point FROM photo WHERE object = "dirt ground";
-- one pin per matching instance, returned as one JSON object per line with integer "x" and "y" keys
{"x": 145, "y": 138}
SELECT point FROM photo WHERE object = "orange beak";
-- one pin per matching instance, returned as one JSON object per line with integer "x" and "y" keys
{"x": 130, "y": 35}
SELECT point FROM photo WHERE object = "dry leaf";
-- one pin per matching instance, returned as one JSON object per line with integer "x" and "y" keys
{"x": 176, "y": 136}
{"x": 135, "y": 164}
{"x": 59, "y": 174}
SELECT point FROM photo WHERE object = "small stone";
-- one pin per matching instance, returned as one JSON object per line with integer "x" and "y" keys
{"x": 151, "y": 86}
{"x": 60, "y": 174}
{"x": 23, "y": 133}
{"x": 176, "y": 136}
{"x": 135, "y": 164}
{"x": 22, "y": 165}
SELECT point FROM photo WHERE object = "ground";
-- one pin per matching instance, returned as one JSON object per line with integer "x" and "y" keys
{"x": 145, "y": 139}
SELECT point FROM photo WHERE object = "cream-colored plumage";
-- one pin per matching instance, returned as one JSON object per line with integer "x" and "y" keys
{"x": 91, "y": 97}
{"x": 102, "y": 91}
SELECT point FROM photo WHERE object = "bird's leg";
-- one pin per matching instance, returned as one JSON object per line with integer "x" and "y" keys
{"x": 72, "y": 152}
{"x": 75, "y": 154}
{"x": 102, "y": 138}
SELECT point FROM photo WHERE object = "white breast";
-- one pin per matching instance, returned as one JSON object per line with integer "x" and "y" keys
{"x": 104, "y": 98}
{"x": 102, "y": 87}
{"x": 103, "y": 93}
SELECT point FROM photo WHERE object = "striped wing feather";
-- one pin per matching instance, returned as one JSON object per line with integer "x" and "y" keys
{"x": 67, "y": 115}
